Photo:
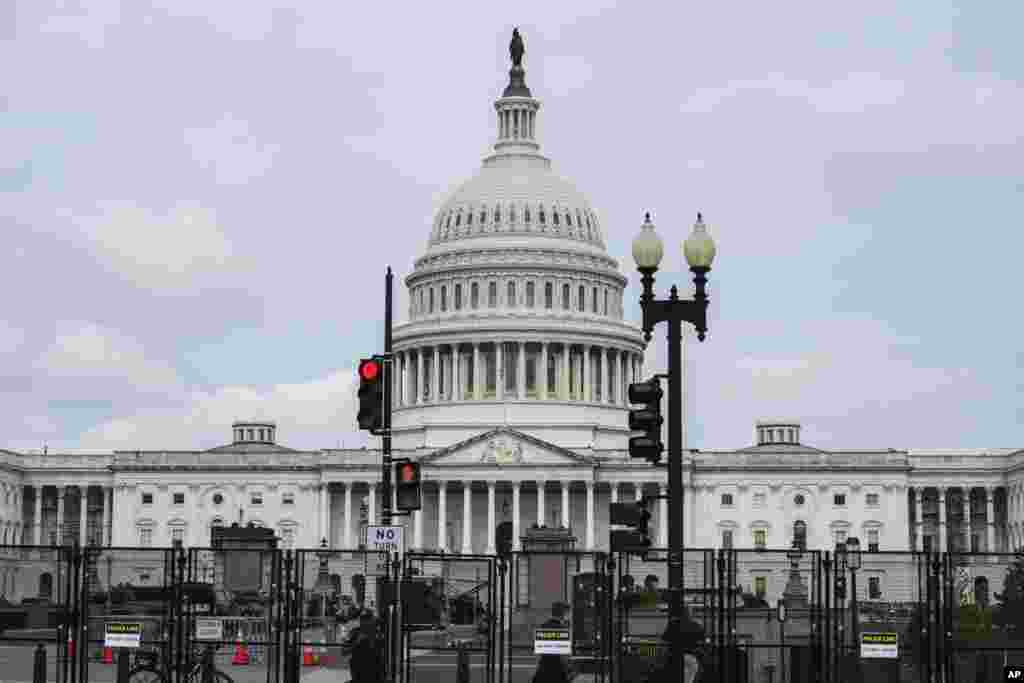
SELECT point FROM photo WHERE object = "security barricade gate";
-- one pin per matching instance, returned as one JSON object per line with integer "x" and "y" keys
{"x": 453, "y": 616}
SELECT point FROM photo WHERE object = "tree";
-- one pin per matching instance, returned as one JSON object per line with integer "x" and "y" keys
{"x": 1010, "y": 614}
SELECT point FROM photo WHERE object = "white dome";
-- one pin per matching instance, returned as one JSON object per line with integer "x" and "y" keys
{"x": 516, "y": 195}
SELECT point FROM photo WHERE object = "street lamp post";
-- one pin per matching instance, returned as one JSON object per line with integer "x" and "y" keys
{"x": 699, "y": 250}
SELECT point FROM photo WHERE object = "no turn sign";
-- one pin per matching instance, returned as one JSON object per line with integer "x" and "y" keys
{"x": 384, "y": 539}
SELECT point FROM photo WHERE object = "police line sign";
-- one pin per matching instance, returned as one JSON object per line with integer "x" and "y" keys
{"x": 552, "y": 641}
{"x": 384, "y": 539}
{"x": 879, "y": 646}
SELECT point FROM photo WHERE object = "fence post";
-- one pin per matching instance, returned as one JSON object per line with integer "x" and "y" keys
{"x": 39, "y": 664}
{"x": 123, "y": 665}
{"x": 462, "y": 664}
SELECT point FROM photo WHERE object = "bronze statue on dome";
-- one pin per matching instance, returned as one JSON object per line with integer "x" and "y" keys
{"x": 516, "y": 48}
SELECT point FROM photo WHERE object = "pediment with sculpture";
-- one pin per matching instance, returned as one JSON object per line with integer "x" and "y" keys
{"x": 505, "y": 448}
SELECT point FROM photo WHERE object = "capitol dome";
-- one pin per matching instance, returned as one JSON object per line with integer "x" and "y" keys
{"x": 515, "y": 315}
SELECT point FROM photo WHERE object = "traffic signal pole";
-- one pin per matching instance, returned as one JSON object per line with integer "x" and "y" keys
{"x": 675, "y": 492}
{"x": 389, "y": 369}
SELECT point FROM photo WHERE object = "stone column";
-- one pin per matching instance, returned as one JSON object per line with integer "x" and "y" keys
{"x": 638, "y": 492}
{"x": 605, "y": 383}
{"x": 105, "y": 531}
{"x": 477, "y": 384}
{"x": 442, "y": 516}
{"x": 614, "y": 492}
{"x": 456, "y": 373}
{"x": 515, "y": 516}
{"x": 407, "y": 396}
{"x": 521, "y": 371}
{"x": 542, "y": 386}
{"x": 623, "y": 379}
{"x": 324, "y": 531}
{"x": 499, "y": 370}
{"x": 563, "y": 380}
{"x": 417, "y": 529}
{"x": 467, "y": 518}
{"x": 61, "y": 492}
{"x": 565, "y": 504}
{"x": 422, "y": 390}
{"x": 541, "y": 513}
{"x": 83, "y": 514}
{"x": 347, "y": 517}
{"x": 918, "y": 519}
{"x": 990, "y": 519}
{"x": 588, "y": 385}
{"x": 967, "y": 518}
{"x": 663, "y": 517}
{"x": 490, "y": 518}
{"x": 435, "y": 392}
{"x": 942, "y": 519}
{"x": 38, "y": 521}
{"x": 590, "y": 515}
{"x": 397, "y": 376}
{"x": 371, "y": 504}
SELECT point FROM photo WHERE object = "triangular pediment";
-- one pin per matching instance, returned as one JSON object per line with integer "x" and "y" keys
{"x": 505, "y": 448}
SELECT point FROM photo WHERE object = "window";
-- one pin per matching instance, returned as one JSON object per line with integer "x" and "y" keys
{"x": 800, "y": 534}
{"x": 511, "y": 301}
{"x": 422, "y": 306}
{"x": 526, "y": 214}
{"x": 444, "y": 298}
{"x": 179, "y": 498}
{"x": 926, "y": 544}
{"x": 474, "y": 295}
{"x": 872, "y": 540}
{"x": 606, "y": 302}
{"x": 554, "y": 217}
{"x": 759, "y": 499}
{"x": 288, "y": 538}
{"x": 288, "y": 498}
{"x": 492, "y": 294}
{"x": 147, "y": 498}
{"x": 565, "y": 297}
{"x": 261, "y": 434}
{"x": 839, "y": 500}
{"x": 145, "y": 537}
{"x": 483, "y": 216}
{"x": 760, "y": 586}
{"x": 540, "y": 215}
{"x": 799, "y": 500}
{"x": 218, "y": 499}
{"x": 469, "y": 217}
{"x": 529, "y": 294}
{"x": 568, "y": 219}
{"x": 760, "y": 538}
{"x": 431, "y": 299}
{"x": 177, "y": 534}
{"x": 726, "y": 500}
{"x": 581, "y": 303}
{"x": 874, "y": 588}
{"x": 458, "y": 297}
{"x": 497, "y": 214}
{"x": 727, "y": 539}
{"x": 593, "y": 302}
{"x": 548, "y": 295}
{"x": 512, "y": 214}
{"x": 872, "y": 499}
{"x": 839, "y": 536}
{"x": 256, "y": 499}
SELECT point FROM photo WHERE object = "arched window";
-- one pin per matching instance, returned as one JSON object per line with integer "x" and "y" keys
{"x": 469, "y": 217}
{"x": 554, "y": 217}
{"x": 568, "y": 219}
{"x": 474, "y": 295}
{"x": 800, "y": 534}
{"x": 458, "y": 219}
{"x": 483, "y": 216}
{"x": 529, "y": 294}
{"x": 606, "y": 302}
{"x": 497, "y": 214}
{"x": 458, "y": 296}
{"x": 45, "y": 585}
{"x": 422, "y": 308}
{"x": 512, "y": 214}
{"x": 549, "y": 295}
{"x": 492, "y": 294}
{"x": 540, "y": 215}
{"x": 593, "y": 302}
{"x": 526, "y": 214}
{"x": 511, "y": 294}
{"x": 581, "y": 303}
{"x": 448, "y": 223}
{"x": 444, "y": 298}
{"x": 565, "y": 297}
{"x": 431, "y": 299}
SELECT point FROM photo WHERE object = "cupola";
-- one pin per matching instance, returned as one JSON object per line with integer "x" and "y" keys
{"x": 778, "y": 432}
{"x": 253, "y": 431}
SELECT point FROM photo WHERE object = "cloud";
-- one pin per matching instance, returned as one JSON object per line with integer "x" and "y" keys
{"x": 176, "y": 251}
{"x": 87, "y": 351}
{"x": 319, "y": 413}
{"x": 230, "y": 152}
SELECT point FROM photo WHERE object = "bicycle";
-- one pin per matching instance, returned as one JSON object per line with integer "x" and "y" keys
{"x": 150, "y": 667}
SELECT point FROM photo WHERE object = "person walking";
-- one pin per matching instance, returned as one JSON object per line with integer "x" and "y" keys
{"x": 554, "y": 668}
{"x": 366, "y": 664}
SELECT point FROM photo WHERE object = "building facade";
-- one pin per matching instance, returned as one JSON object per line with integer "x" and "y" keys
{"x": 510, "y": 388}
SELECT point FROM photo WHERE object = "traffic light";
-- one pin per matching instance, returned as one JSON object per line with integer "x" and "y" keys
{"x": 647, "y": 420}
{"x": 407, "y": 485}
{"x": 634, "y": 539}
{"x": 371, "y": 394}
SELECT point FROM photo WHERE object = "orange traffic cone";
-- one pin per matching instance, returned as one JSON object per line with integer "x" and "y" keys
{"x": 241, "y": 655}
{"x": 108, "y": 656}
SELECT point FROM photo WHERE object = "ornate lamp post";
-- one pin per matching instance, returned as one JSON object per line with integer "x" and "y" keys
{"x": 699, "y": 251}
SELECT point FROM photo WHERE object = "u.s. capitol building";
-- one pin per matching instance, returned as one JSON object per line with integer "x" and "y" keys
{"x": 513, "y": 364}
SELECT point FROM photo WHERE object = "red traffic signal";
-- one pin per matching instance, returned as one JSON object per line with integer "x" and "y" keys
{"x": 407, "y": 486}
{"x": 369, "y": 369}
{"x": 408, "y": 473}
{"x": 371, "y": 395}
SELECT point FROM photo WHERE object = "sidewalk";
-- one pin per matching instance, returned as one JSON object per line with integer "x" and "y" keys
{"x": 321, "y": 675}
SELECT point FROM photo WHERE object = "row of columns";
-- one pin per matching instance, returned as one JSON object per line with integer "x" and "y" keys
{"x": 467, "y": 513}
{"x": 82, "y": 494}
{"x": 449, "y": 373}
{"x": 966, "y": 529}
{"x": 515, "y": 122}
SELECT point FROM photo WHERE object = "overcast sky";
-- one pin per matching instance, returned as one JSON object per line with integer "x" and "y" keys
{"x": 197, "y": 201}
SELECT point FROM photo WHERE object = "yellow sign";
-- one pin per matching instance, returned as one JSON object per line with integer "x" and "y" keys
{"x": 884, "y": 645}
{"x": 120, "y": 634}
{"x": 552, "y": 641}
